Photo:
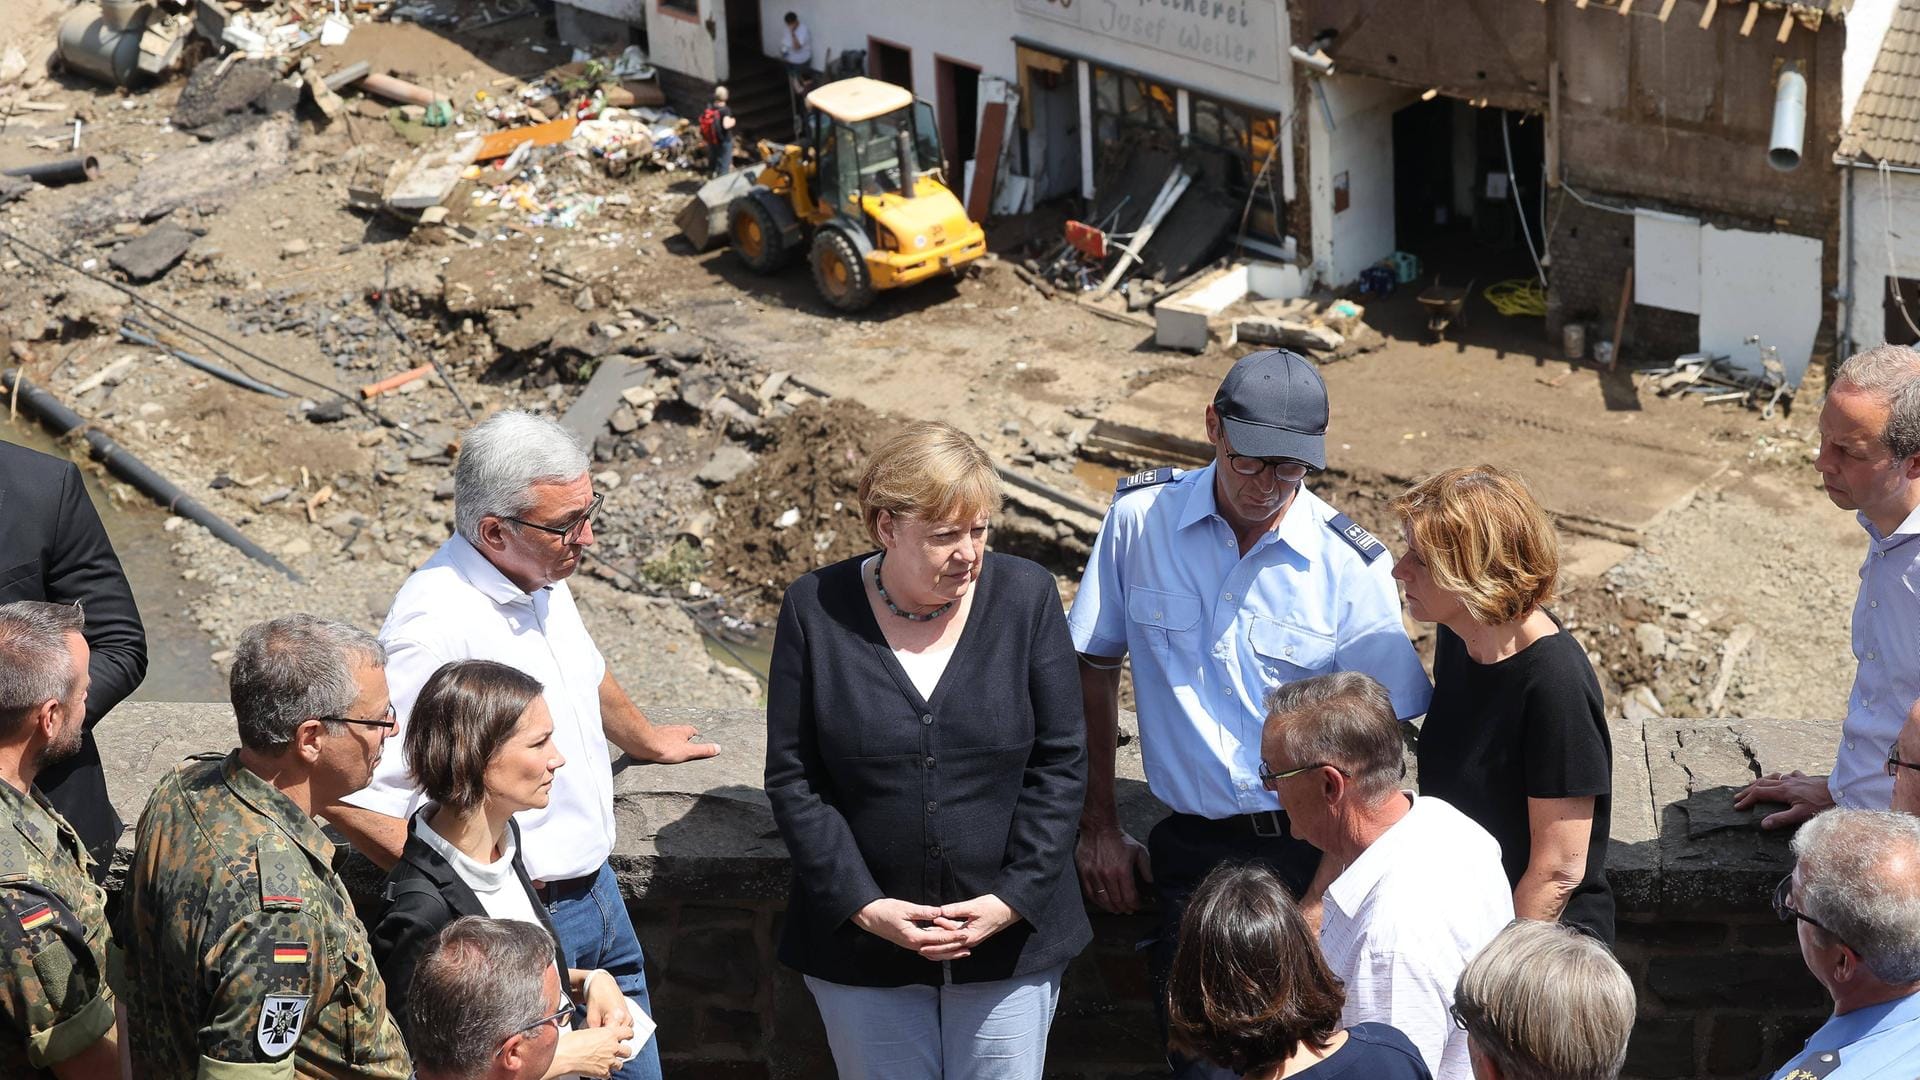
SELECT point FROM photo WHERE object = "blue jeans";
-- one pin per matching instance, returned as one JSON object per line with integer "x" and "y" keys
{"x": 596, "y": 933}
{"x": 960, "y": 1031}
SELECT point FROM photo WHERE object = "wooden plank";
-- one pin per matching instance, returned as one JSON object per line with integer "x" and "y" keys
{"x": 986, "y": 159}
{"x": 1666, "y": 9}
{"x": 1626, "y": 6}
{"x": 1580, "y": 4}
{"x": 1620, "y": 318}
{"x": 1786, "y": 26}
{"x": 1706, "y": 17}
{"x": 1753, "y": 16}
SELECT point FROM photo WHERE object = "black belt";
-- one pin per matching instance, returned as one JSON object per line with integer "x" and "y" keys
{"x": 1267, "y": 824}
{"x": 549, "y": 891}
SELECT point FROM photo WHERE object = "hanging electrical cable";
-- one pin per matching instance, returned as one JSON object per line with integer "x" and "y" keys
{"x": 1513, "y": 185}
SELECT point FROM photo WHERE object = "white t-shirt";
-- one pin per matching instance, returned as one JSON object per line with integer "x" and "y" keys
{"x": 457, "y": 606}
{"x": 1403, "y": 921}
{"x": 494, "y": 883}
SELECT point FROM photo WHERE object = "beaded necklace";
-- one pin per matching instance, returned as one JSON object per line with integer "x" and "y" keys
{"x": 895, "y": 608}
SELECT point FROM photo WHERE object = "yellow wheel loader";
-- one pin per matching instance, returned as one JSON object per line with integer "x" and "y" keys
{"x": 861, "y": 193}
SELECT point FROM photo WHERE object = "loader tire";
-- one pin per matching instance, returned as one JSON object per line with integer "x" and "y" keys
{"x": 839, "y": 272}
{"x": 756, "y": 237}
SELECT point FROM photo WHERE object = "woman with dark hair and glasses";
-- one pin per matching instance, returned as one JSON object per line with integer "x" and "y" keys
{"x": 1250, "y": 993}
{"x": 480, "y": 744}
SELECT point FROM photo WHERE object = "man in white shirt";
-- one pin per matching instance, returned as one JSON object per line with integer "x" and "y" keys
{"x": 796, "y": 49}
{"x": 523, "y": 514}
{"x": 1869, "y": 462}
{"x": 1421, "y": 889}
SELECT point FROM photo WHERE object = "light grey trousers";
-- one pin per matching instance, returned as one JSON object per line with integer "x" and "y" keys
{"x": 961, "y": 1031}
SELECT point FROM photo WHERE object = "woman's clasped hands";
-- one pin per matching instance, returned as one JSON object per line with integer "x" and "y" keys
{"x": 949, "y": 932}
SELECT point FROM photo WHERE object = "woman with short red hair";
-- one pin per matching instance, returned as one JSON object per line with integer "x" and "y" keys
{"x": 1516, "y": 737}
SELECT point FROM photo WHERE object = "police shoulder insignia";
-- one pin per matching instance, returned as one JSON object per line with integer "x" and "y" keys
{"x": 1144, "y": 478}
{"x": 1817, "y": 1065}
{"x": 1362, "y": 541}
{"x": 282, "y": 876}
{"x": 281, "y": 1016}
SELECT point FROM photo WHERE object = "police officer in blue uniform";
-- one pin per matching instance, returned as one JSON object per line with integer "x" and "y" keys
{"x": 1223, "y": 583}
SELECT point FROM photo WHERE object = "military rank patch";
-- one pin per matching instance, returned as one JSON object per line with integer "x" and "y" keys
{"x": 36, "y": 918}
{"x": 289, "y": 952}
{"x": 280, "y": 1018}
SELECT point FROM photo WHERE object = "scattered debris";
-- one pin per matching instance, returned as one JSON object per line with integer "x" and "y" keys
{"x": 153, "y": 253}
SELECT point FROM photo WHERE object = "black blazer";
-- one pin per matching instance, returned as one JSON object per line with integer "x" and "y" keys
{"x": 425, "y": 895}
{"x": 53, "y": 548}
{"x": 879, "y": 793}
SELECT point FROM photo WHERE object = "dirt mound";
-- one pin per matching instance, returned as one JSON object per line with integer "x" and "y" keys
{"x": 807, "y": 476}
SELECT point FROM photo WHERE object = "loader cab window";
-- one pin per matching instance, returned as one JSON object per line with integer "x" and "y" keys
{"x": 926, "y": 139}
{"x": 837, "y": 178}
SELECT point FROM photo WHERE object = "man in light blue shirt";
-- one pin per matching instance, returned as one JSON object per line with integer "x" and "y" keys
{"x": 1222, "y": 584}
{"x": 1854, "y": 899}
{"x": 1869, "y": 462}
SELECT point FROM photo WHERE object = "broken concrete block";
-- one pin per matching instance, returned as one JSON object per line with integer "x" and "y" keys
{"x": 152, "y": 255}
{"x": 1287, "y": 333}
{"x": 726, "y": 463}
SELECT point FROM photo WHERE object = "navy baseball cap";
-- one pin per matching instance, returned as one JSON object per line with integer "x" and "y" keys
{"x": 1274, "y": 405}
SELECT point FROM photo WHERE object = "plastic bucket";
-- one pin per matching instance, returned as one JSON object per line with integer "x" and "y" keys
{"x": 1573, "y": 340}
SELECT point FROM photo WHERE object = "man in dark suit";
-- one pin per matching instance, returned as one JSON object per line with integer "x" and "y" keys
{"x": 53, "y": 548}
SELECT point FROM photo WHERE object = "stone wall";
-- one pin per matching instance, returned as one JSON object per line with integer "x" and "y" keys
{"x": 1722, "y": 989}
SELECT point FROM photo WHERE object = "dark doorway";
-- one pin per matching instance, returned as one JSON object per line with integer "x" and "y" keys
{"x": 1467, "y": 180}
{"x": 959, "y": 109}
{"x": 889, "y": 62}
{"x": 743, "y": 33}
{"x": 1902, "y": 309}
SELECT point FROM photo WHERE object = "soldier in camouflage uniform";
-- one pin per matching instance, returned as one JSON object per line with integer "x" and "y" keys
{"x": 244, "y": 956}
{"x": 55, "y": 1007}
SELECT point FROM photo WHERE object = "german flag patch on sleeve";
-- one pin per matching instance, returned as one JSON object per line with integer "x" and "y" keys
{"x": 36, "y": 917}
{"x": 290, "y": 952}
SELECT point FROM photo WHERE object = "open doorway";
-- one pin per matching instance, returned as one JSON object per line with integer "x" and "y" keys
{"x": 1467, "y": 184}
{"x": 1050, "y": 123}
{"x": 889, "y": 62}
{"x": 743, "y": 35}
{"x": 959, "y": 105}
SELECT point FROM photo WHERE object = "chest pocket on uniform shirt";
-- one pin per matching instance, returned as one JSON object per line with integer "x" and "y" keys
{"x": 1165, "y": 618}
{"x": 1288, "y": 652}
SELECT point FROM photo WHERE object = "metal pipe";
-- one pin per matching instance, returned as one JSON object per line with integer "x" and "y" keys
{"x": 1847, "y": 301}
{"x": 207, "y": 366}
{"x": 123, "y": 464}
{"x": 1789, "y": 119}
{"x": 909, "y": 174}
{"x": 55, "y": 173}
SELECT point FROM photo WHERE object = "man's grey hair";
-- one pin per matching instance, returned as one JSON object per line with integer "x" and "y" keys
{"x": 1344, "y": 719}
{"x": 1547, "y": 1002}
{"x": 502, "y": 458}
{"x": 35, "y": 666}
{"x": 1860, "y": 880}
{"x": 481, "y": 982}
{"x": 296, "y": 668}
{"x": 1892, "y": 374}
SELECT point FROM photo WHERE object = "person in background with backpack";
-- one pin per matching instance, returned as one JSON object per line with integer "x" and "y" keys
{"x": 716, "y": 130}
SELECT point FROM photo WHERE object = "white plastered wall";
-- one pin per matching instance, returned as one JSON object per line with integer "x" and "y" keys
{"x": 1886, "y": 214}
{"x": 1360, "y": 146}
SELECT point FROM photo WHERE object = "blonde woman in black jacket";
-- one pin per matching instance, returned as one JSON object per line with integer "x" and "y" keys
{"x": 480, "y": 744}
{"x": 926, "y": 761}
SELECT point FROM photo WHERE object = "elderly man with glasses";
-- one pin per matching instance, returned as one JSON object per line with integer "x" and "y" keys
{"x": 488, "y": 1002}
{"x": 523, "y": 509}
{"x": 1854, "y": 900}
{"x": 1418, "y": 886}
{"x": 1221, "y": 584}
{"x": 244, "y": 957}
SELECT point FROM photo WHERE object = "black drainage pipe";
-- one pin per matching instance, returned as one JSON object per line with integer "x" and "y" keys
{"x": 55, "y": 173}
{"x": 121, "y": 463}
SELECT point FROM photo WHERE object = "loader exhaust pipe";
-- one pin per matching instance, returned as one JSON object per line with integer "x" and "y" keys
{"x": 909, "y": 172}
{"x": 1789, "y": 119}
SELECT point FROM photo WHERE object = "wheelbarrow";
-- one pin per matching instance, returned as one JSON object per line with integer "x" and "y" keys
{"x": 1444, "y": 304}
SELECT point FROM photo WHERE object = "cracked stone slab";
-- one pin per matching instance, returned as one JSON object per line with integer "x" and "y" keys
{"x": 1711, "y": 855}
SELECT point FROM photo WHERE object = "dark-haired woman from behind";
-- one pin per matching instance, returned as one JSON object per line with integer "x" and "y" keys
{"x": 1249, "y": 992}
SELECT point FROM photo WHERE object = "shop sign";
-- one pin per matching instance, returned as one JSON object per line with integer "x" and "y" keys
{"x": 1238, "y": 35}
